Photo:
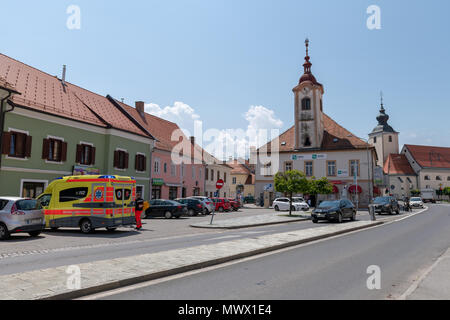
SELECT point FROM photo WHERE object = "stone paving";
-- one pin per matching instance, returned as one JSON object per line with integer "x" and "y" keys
{"x": 254, "y": 221}
{"x": 110, "y": 274}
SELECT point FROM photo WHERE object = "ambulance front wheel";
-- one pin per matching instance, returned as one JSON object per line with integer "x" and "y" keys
{"x": 86, "y": 226}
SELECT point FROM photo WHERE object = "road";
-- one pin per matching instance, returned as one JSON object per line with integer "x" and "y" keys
{"x": 69, "y": 247}
{"x": 329, "y": 269}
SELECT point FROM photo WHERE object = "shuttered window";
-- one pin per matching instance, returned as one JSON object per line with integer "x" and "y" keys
{"x": 85, "y": 154}
{"x": 16, "y": 144}
{"x": 140, "y": 162}
{"x": 120, "y": 159}
{"x": 54, "y": 150}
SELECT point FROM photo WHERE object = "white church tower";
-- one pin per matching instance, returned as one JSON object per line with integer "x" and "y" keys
{"x": 308, "y": 109}
{"x": 384, "y": 138}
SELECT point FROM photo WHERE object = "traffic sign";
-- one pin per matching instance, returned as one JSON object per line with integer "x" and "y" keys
{"x": 219, "y": 184}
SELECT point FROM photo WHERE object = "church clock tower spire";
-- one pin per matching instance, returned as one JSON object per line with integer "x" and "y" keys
{"x": 308, "y": 108}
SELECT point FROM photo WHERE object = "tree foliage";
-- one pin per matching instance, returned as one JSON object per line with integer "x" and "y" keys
{"x": 295, "y": 181}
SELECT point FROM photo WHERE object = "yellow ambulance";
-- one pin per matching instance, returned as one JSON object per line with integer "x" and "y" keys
{"x": 89, "y": 202}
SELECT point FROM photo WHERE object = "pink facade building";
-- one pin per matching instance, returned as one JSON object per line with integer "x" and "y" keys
{"x": 169, "y": 179}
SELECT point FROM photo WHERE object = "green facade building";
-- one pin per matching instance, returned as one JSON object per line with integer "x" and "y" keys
{"x": 54, "y": 128}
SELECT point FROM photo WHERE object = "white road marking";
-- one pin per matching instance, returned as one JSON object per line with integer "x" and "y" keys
{"x": 416, "y": 284}
{"x": 212, "y": 268}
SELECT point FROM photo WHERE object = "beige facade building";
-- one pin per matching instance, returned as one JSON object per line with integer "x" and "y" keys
{"x": 319, "y": 147}
{"x": 414, "y": 168}
{"x": 215, "y": 170}
{"x": 430, "y": 164}
{"x": 242, "y": 179}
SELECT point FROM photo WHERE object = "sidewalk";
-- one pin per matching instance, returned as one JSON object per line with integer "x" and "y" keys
{"x": 436, "y": 283}
{"x": 254, "y": 221}
{"x": 116, "y": 273}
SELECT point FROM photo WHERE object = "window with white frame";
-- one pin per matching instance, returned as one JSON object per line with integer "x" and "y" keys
{"x": 156, "y": 166}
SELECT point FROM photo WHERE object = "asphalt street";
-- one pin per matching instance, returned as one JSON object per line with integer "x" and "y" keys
{"x": 69, "y": 247}
{"x": 330, "y": 269}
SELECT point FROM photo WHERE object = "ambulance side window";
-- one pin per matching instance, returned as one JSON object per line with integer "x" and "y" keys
{"x": 119, "y": 194}
{"x": 73, "y": 194}
{"x": 45, "y": 200}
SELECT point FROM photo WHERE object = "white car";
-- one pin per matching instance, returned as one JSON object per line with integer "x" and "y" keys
{"x": 416, "y": 202}
{"x": 298, "y": 204}
{"x": 20, "y": 215}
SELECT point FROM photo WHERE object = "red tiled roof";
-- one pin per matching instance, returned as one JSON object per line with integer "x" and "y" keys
{"x": 6, "y": 85}
{"x": 335, "y": 137}
{"x": 238, "y": 167}
{"x": 250, "y": 179}
{"x": 43, "y": 92}
{"x": 161, "y": 129}
{"x": 398, "y": 164}
{"x": 430, "y": 157}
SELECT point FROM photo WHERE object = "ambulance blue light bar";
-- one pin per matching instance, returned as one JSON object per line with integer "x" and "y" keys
{"x": 107, "y": 177}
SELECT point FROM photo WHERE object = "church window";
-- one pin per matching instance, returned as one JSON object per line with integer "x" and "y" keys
{"x": 390, "y": 138}
{"x": 307, "y": 142}
{"x": 306, "y": 104}
{"x": 375, "y": 140}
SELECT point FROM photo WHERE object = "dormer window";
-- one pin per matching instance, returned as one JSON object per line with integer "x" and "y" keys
{"x": 306, "y": 104}
{"x": 307, "y": 142}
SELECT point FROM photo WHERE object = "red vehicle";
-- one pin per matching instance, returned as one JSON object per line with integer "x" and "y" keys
{"x": 222, "y": 204}
{"x": 235, "y": 204}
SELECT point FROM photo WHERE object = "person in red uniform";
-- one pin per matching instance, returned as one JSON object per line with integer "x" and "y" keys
{"x": 139, "y": 208}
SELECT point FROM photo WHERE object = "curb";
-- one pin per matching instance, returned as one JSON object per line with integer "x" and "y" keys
{"x": 162, "y": 274}
{"x": 249, "y": 225}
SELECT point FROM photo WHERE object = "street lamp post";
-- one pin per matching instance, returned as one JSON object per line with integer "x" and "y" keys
{"x": 369, "y": 168}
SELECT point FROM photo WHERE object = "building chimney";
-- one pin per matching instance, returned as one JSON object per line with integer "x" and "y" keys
{"x": 64, "y": 75}
{"x": 140, "y": 106}
{"x": 193, "y": 140}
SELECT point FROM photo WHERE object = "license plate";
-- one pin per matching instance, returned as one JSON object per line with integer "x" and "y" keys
{"x": 34, "y": 221}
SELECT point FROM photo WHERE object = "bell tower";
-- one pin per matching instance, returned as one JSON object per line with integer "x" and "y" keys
{"x": 384, "y": 138}
{"x": 308, "y": 109}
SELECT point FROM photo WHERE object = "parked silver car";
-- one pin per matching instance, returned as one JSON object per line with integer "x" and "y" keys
{"x": 208, "y": 205}
{"x": 20, "y": 215}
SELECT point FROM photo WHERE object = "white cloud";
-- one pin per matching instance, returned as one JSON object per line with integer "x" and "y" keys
{"x": 223, "y": 143}
{"x": 180, "y": 113}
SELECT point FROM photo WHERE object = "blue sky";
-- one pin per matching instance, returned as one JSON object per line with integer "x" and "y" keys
{"x": 221, "y": 60}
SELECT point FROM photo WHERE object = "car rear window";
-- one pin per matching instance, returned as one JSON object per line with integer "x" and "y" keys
{"x": 26, "y": 205}
{"x": 3, "y": 204}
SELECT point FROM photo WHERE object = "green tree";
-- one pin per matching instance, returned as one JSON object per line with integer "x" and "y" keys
{"x": 291, "y": 182}
{"x": 446, "y": 191}
{"x": 320, "y": 186}
{"x": 415, "y": 193}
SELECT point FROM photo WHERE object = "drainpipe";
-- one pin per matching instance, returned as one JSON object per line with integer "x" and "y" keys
{"x": 2, "y": 123}
{"x": 151, "y": 172}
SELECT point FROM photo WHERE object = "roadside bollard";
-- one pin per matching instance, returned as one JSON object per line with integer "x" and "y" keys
{"x": 212, "y": 216}
{"x": 372, "y": 212}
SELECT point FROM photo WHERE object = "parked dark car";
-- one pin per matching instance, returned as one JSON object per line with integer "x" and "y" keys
{"x": 337, "y": 210}
{"x": 194, "y": 206}
{"x": 165, "y": 208}
{"x": 386, "y": 205}
{"x": 249, "y": 199}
